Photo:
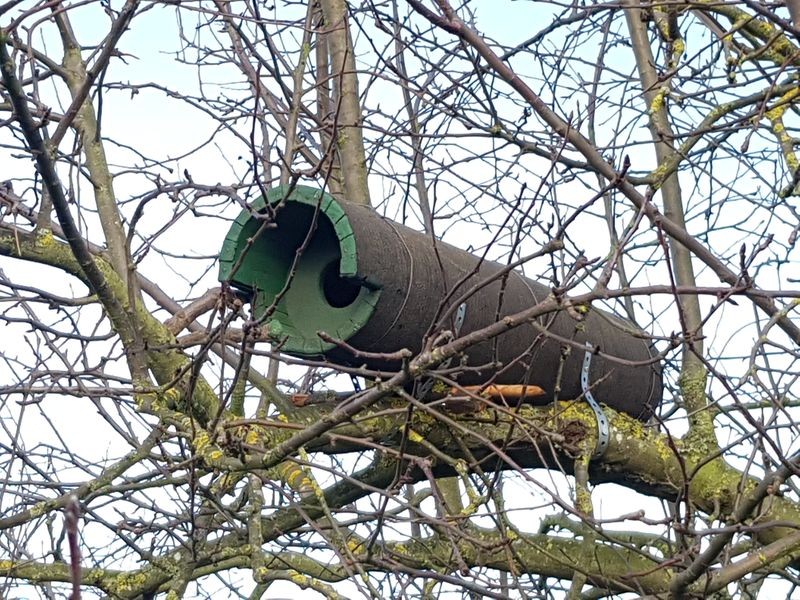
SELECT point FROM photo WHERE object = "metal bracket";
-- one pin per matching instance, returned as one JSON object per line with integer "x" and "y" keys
{"x": 461, "y": 313}
{"x": 603, "y": 430}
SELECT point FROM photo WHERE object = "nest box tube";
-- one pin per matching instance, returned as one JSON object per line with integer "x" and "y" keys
{"x": 310, "y": 264}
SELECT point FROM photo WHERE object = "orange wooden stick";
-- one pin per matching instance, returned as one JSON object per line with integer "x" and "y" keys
{"x": 500, "y": 391}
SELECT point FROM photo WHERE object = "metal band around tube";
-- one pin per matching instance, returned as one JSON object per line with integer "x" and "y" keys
{"x": 603, "y": 433}
{"x": 461, "y": 312}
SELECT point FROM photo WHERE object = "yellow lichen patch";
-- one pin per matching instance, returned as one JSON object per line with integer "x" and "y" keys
{"x": 783, "y": 103}
{"x": 214, "y": 456}
{"x": 775, "y": 115}
{"x": 628, "y": 427}
{"x": 293, "y": 473}
{"x": 792, "y": 161}
{"x": 701, "y": 439}
{"x": 659, "y": 174}
{"x": 577, "y": 411}
{"x": 717, "y": 482}
{"x": 664, "y": 451}
{"x": 201, "y": 441}
{"x": 582, "y": 308}
{"x": 226, "y": 483}
{"x": 401, "y": 548}
{"x": 45, "y": 239}
{"x": 125, "y": 583}
{"x": 415, "y": 437}
{"x": 678, "y": 48}
{"x": 583, "y": 499}
{"x": 298, "y": 578}
{"x": 171, "y": 397}
{"x": 658, "y": 101}
{"x": 38, "y": 509}
{"x": 777, "y": 46}
{"x": 205, "y": 447}
{"x": 355, "y": 545}
{"x": 253, "y": 436}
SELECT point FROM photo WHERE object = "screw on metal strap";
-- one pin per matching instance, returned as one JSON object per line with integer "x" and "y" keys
{"x": 603, "y": 434}
{"x": 461, "y": 312}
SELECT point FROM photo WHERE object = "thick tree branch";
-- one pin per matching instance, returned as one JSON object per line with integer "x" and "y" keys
{"x": 348, "y": 132}
{"x": 97, "y": 281}
{"x": 81, "y": 115}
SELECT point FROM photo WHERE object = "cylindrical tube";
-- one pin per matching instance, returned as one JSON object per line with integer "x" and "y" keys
{"x": 316, "y": 264}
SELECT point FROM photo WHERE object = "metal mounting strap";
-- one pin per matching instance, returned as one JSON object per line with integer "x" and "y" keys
{"x": 461, "y": 312}
{"x": 603, "y": 430}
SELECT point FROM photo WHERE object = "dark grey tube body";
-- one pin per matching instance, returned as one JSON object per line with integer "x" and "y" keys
{"x": 415, "y": 274}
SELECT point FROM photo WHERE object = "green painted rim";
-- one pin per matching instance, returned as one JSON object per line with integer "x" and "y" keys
{"x": 324, "y": 292}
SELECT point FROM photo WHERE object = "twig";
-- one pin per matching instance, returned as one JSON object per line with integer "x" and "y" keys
{"x": 72, "y": 514}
